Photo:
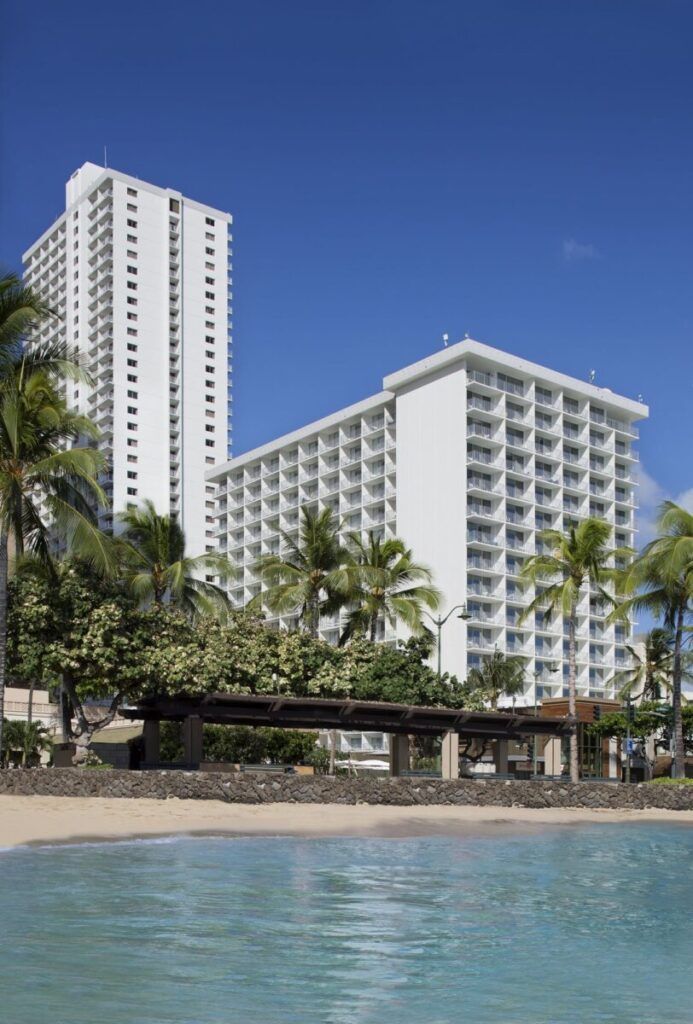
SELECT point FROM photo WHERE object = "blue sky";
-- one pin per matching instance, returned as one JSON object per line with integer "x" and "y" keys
{"x": 518, "y": 170}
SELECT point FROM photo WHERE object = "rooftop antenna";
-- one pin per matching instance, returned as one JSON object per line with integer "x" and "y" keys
{"x": 593, "y": 374}
{"x": 105, "y": 157}
{"x": 640, "y": 398}
{"x": 466, "y": 335}
{"x": 446, "y": 339}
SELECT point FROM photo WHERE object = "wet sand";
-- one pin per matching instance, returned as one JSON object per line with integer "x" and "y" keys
{"x": 41, "y": 819}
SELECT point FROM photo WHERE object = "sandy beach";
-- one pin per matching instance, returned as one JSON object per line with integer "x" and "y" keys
{"x": 37, "y": 819}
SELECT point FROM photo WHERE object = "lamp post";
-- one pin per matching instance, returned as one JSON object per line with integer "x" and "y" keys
{"x": 439, "y": 622}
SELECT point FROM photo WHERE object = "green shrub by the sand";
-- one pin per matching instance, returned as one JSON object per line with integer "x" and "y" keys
{"x": 242, "y": 744}
{"x": 671, "y": 782}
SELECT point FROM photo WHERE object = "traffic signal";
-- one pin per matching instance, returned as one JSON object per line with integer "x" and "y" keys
{"x": 597, "y": 713}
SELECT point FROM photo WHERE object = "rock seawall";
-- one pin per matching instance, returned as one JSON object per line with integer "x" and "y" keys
{"x": 248, "y": 788}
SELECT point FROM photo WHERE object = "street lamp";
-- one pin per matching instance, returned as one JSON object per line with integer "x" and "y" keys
{"x": 439, "y": 622}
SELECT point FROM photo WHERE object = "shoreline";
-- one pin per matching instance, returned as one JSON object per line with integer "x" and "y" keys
{"x": 44, "y": 820}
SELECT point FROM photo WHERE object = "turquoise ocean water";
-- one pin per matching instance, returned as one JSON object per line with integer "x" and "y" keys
{"x": 587, "y": 925}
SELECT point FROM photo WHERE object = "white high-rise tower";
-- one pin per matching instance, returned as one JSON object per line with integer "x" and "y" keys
{"x": 140, "y": 279}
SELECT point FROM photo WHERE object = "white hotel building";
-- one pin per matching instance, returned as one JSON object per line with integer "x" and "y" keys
{"x": 140, "y": 278}
{"x": 466, "y": 455}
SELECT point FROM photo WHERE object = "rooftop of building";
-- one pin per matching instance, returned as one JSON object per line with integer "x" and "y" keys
{"x": 438, "y": 364}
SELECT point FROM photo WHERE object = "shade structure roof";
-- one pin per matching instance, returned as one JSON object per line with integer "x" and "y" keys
{"x": 316, "y": 713}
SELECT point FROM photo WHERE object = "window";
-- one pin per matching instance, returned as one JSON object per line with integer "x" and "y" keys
{"x": 132, "y": 191}
{"x": 132, "y": 475}
{"x": 132, "y": 379}
{"x": 132, "y": 301}
{"x": 132, "y": 347}
{"x": 209, "y": 280}
{"x": 209, "y": 295}
{"x": 132, "y": 270}
{"x": 210, "y": 430}
{"x": 209, "y": 369}
{"x": 209, "y": 326}
{"x": 209, "y": 354}
{"x": 209, "y": 252}
{"x": 132, "y": 458}
{"x": 132, "y": 443}
{"x": 132, "y": 490}
{"x": 132, "y": 239}
{"x": 132, "y": 362}
{"x": 210, "y": 444}
{"x": 132, "y": 208}
{"x": 131, "y": 224}
{"x": 174, "y": 205}
{"x": 209, "y": 236}
{"x": 132, "y": 316}
{"x": 210, "y": 221}
{"x": 209, "y": 266}
{"x": 209, "y": 398}
{"x": 132, "y": 285}
{"x": 132, "y": 426}
{"x": 209, "y": 310}
{"x": 132, "y": 411}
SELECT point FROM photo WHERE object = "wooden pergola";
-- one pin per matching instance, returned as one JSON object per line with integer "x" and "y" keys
{"x": 400, "y": 720}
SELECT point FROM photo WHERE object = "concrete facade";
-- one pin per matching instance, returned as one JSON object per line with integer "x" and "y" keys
{"x": 140, "y": 278}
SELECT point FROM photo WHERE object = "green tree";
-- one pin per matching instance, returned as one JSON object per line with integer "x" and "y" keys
{"x": 661, "y": 582}
{"x": 47, "y": 478}
{"x": 500, "y": 675}
{"x": 386, "y": 584}
{"x": 158, "y": 570}
{"x": 650, "y": 673}
{"x": 28, "y": 739}
{"x": 575, "y": 559}
{"x": 309, "y": 577}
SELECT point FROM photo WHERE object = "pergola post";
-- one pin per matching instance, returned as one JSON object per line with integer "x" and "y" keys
{"x": 450, "y": 756}
{"x": 501, "y": 756}
{"x": 151, "y": 733}
{"x": 399, "y": 753}
{"x": 614, "y": 760}
{"x": 552, "y": 756}
{"x": 192, "y": 739}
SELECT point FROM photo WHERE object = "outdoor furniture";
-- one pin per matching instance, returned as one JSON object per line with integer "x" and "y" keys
{"x": 420, "y": 773}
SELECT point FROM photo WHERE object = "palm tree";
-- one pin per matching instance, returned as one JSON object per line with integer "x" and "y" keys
{"x": 500, "y": 675}
{"x": 311, "y": 575}
{"x": 386, "y": 584}
{"x": 578, "y": 557}
{"x": 42, "y": 481}
{"x": 157, "y": 568}
{"x": 651, "y": 670}
{"x": 663, "y": 575}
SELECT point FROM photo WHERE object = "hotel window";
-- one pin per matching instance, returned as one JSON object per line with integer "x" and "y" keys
{"x": 209, "y": 295}
{"x": 209, "y": 236}
{"x": 132, "y": 490}
{"x": 132, "y": 270}
{"x": 209, "y": 252}
{"x": 132, "y": 379}
{"x": 209, "y": 369}
{"x": 209, "y": 326}
{"x": 174, "y": 205}
{"x": 132, "y": 475}
{"x": 209, "y": 398}
{"x": 209, "y": 280}
{"x": 210, "y": 444}
{"x": 132, "y": 411}
{"x": 132, "y": 301}
{"x": 209, "y": 266}
{"x": 132, "y": 191}
{"x": 209, "y": 354}
{"x": 210, "y": 221}
{"x": 132, "y": 285}
{"x": 132, "y": 223}
{"x": 132, "y": 239}
{"x": 132, "y": 208}
{"x": 210, "y": 430}
{"x": 131, "y": 347}
{"x": 132, "y": 426}
{"x": 132, "y": 362}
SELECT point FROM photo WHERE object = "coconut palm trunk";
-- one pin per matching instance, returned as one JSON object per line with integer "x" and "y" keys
{"x": 572, "y": 695}
{"x": 4, "y": 556}
{"x": 678, "y": 766}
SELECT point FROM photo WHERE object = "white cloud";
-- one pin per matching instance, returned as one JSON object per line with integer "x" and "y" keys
{"x": 574, "y": 251}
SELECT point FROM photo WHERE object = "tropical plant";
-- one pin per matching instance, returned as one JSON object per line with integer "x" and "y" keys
{"x": 650, "y": 674}
{"x": 500, "y": 675}
{"x": 28, "y": 739}
{"x": 309, "y": 577}
{"x": 574, "y": 559}
{"x": 661, "y": 582}
{"x": 47, "y": 478}
{"x": 158, "y": 570}
{"x": 385, "y": 583}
